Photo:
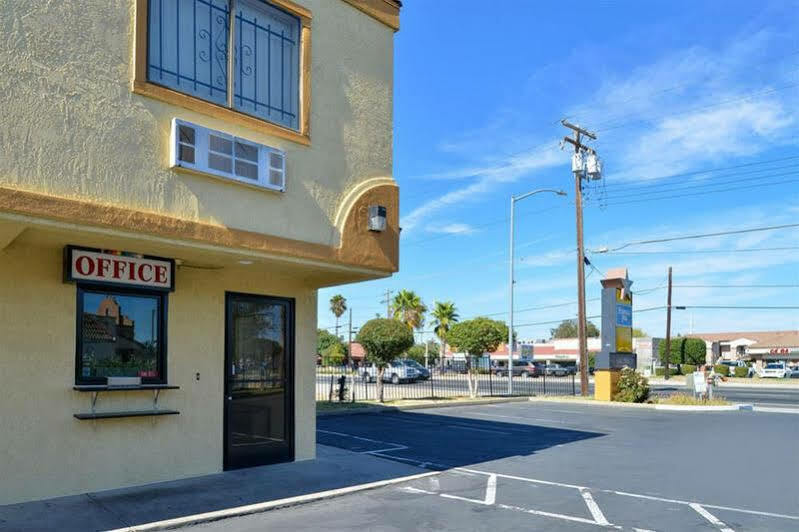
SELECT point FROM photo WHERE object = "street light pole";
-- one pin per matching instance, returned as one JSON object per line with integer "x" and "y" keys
{"x": 512, "y": 281}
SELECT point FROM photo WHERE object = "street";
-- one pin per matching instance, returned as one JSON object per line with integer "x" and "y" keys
{"x": 540, "y": 466}
{"x": 758, "y": 394}
{"x": 777, "y": 396}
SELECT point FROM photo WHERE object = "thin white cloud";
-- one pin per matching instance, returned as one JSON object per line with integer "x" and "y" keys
{"x": 487, "y": 178}
{"x": 451, "y": 229}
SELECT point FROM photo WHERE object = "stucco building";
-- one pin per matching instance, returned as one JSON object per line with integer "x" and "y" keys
{"x": 177, "y": 179}
{"x": 758, "y": 347}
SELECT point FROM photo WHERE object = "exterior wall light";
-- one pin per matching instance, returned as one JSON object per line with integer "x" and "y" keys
{"x": 377, "y": 218}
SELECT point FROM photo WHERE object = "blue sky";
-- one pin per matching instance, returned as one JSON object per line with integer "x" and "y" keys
{"x": 671, "y": 88}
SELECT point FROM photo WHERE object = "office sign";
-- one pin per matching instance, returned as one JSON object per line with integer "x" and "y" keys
{"x": 118, "y": 268}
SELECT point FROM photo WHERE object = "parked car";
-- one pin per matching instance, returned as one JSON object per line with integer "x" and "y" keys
{"x": 795, "y": 372}
{"x": 521, "y": 368}
{"x": 397, "y": 372}
{"x": 424, "y": 373}
{"x": 732, "y": 364}
{"x": 557, "y": 370}
{"x": 775, "y": 370}
{"x": 455, "y": 366}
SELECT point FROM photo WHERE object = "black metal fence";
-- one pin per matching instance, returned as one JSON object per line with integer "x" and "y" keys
{"x": 340, "y": 383}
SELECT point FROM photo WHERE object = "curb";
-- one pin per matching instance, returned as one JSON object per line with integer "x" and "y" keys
{"x": 238, "y": 511}
{"x": 388, "y": 409}
{"x": 700, "y": 408}
{"x": 651, "y": 406}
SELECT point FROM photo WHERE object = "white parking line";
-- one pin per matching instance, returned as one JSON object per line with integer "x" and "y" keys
{"x": 710, "y": 517}
{"x": 553, "y": 515}
{"x": 596, "y": 513}
{"x": 490, "y": 495}
{"x": 714, "y": 506}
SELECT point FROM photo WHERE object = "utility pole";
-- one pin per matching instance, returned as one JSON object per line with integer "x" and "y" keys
{"x": 668, "y": 329}
{"x": 387, "y": 301}
{"x": 594, "y": 173}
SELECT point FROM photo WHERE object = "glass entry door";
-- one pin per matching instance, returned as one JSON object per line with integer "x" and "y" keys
{"x": 259, "y": 395}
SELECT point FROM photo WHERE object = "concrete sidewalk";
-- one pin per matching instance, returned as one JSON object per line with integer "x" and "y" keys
{"x": 333, "y": 468}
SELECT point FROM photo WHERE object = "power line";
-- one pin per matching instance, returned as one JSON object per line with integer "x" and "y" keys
{"x": 689, "y": 185}
{"x": 648, "y": 309}
{"x": 736, "y": 285}
{"x": 707, "y": 171}
{"x": 702, "y": 235}
{"x": 691, "y": 252}
{"x": 693, "y": 194}
{"x": 735, "y": 307}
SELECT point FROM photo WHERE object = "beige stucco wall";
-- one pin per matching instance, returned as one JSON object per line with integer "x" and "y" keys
{"x": 46, "y": 452}
{"x": 72, "y": 127}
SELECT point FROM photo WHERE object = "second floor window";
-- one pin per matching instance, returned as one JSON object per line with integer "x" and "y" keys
{"x": 189, "y": 50}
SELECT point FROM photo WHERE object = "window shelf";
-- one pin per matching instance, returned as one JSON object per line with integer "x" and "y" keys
{"x": 96, "y": 390}
{"x": 106, "y": 388}
{"x": 128, "y": 413}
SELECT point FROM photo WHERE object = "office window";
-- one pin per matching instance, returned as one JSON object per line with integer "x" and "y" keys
{"x": 120, "y": 333}
{"x": 188, "y": 50}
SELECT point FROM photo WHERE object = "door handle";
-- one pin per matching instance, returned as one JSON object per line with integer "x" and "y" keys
{"x": 229, "y": 397}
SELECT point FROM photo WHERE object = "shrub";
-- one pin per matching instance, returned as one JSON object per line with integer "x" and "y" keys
{"x": 741, "y": 371}
{"x": 721, "y": 369}
{"x": 662, "y": 371}
{"x": 633, "y": 387}
{"x": 684, "y": 350}
{"x": 687, "y": 369}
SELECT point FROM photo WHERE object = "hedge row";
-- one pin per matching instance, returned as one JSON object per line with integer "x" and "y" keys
{"x": 662, "y": 371}
{"x": 741, "y": 372}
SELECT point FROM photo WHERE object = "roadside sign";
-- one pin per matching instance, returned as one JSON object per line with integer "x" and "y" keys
{"x": 700, "y": 384}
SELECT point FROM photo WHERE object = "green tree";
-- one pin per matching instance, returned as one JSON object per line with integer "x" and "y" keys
{"x": 408, "y": 308}
{"x": 444, "y": 316}
{"x": 334, "y": 355}
{"x": 475, "y": 337}
{"x": 338, "y": 306}
{"x": 568, "y": 329}
{"x": 684, "y": 351}
{"x": 417, "y": 352}
{"x": 384, "y": 340}
{"x": 639, "y": 333}
{"x": 324, "y": 340}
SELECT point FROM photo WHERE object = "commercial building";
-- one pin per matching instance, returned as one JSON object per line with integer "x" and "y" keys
{"x": 178, "y": 179}
{"x": 757, "y": 347}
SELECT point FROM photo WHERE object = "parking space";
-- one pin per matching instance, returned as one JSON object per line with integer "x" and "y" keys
{"x": 594, "y": 465}
{"x": 518, "y": 466}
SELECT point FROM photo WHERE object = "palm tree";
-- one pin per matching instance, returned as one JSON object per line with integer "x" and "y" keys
{"x": 408, "y": 308}
{"x": 338, "y": 306}
{"x": 444, "y": 315}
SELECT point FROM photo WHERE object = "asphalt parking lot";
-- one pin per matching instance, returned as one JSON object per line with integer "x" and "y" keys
{"x": 562, "y": 467}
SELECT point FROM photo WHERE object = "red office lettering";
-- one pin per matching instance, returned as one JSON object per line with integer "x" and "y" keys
{"x": 132, "y": 271}
{"x": 102, "y": 266}
{"x": 141, "y": 272}
{"x": 84, "y": 265}
{"x": 119, "y": 268}
{"x": 160, "y": 274}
